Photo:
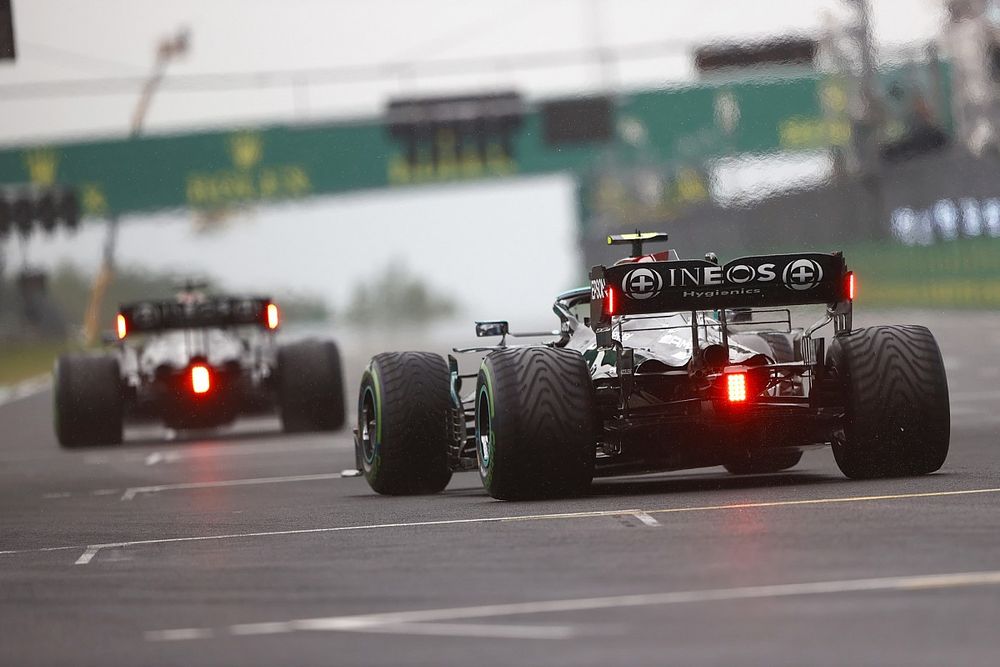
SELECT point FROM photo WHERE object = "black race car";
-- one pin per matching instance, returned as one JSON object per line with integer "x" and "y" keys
{"x": 664, "y": 364}
{"x": 196, "y": 362}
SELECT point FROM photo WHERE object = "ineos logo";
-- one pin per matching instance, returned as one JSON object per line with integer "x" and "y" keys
{"x": 642, "y": 283}
{"x": 802, "y": 274}
{"x": 740, "y": 273}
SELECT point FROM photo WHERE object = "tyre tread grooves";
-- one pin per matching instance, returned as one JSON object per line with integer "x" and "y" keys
{"x": 898, "y": 415}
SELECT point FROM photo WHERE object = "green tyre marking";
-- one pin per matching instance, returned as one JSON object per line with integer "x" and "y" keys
{"x": 491, "y": 456}
{"x": 378, "y": 401}
{"x": 377, "y": 444}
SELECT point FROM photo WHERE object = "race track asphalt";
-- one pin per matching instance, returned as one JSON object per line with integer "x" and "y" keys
{"x": 246, "y": 547}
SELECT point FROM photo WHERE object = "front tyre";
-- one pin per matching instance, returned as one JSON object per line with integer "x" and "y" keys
{"x": 897, "y": 419}
{"x": 536, "y": 423}
{"x": 404, "y": 422}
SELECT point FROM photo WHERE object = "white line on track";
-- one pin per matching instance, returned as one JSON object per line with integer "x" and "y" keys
{"x": 476, "y": 630}
{"x": 825, "y": 501}
{"x": 180, "y": 635}
{"x": 215, "y": 449}
{"x": 154, "y": 458}
{"x": 88, "y": 555}
{"x": 647, "y": 519}
{"x": 68, "y": 494}
{"x": 406, "y": 621}
{"x": 132, "y": 492}
{"x": 175, "y": 455}
{"x": 515, "y": 518}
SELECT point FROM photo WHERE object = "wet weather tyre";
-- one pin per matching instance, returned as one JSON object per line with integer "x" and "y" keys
{"x": 897, "y": 416}
{"x": 88, "y": 401}
{"x": 536, "y": 423}
{"x": 310, "y": 387}
{"x": 404, "y": 423}
{"x": 763, "y": 463}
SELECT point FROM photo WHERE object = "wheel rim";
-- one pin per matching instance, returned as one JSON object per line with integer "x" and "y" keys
{"x": 484, "y": 428}
{"x": 368, "y": 425}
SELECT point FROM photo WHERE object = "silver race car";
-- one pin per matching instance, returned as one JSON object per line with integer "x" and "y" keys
{"x": 196, "y": 362}
{"x": 664, "y": 364}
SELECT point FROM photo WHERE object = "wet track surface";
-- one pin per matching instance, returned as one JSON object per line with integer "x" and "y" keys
{"x": 247, "y": 547}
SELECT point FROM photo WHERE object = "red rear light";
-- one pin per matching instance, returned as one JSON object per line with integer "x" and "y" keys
{"x": 201, "y": 379}
{"x": 122, "y": 326}
{"x": 609, "y": 301}
{"x": 272, "y": 316}
{"x": 736, "y": 387}
{"x": 852, "y": 285}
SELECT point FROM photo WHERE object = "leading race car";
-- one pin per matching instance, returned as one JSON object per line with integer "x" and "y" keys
{"x": 664, "y": 364}
{"x": 197, "y": 362}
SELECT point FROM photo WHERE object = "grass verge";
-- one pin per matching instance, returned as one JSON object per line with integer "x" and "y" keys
{"x": 23, "y": 360}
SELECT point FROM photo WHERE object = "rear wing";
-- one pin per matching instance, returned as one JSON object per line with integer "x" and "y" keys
{"x": 690, "y": 285}
{"x": 213, "y": 312}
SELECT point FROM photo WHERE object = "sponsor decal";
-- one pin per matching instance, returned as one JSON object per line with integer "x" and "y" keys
{"x": 597, "y": 289}
{"x": 43, "y": 165}
{"x": 709, "y": 293}
{"x": 716, "y": 276}
{"x": 738, "y": 274}
{"x": 250, "y": 178}
{"x": 802, "y": 274}
{"x": 642, "y": 283}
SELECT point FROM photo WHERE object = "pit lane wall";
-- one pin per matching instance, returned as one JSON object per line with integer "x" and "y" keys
{"x": 922, "y": 233}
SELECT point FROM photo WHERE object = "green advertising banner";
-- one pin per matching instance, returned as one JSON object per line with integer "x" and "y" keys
{"x": 211, "y": 170}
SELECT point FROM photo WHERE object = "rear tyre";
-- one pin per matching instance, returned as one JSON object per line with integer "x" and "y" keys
{"x": 897, "y": 417}
{"x": 767, "y": 462}
{"x": 536, "y": 423}
{"x": 310, "y": 387}
{"x": 404, "y": 422}
{"x": 88, "y": 401}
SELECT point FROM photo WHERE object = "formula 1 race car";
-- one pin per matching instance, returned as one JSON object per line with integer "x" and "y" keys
{"x": 196, "y": 362}
{"x": 664, "y": 364}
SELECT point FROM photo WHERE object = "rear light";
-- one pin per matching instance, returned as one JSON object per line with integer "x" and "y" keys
{"x": 272, "y": 316}
{"x": 852, "y": 285}
{"x": 122, "y": 327}
{"x": 609, "y": 301}
{"x": 201, "y": 379}
{"x": 736, "y": 387}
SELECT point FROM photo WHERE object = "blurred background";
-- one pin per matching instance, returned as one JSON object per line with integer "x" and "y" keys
{"x": 378, "y": 164}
